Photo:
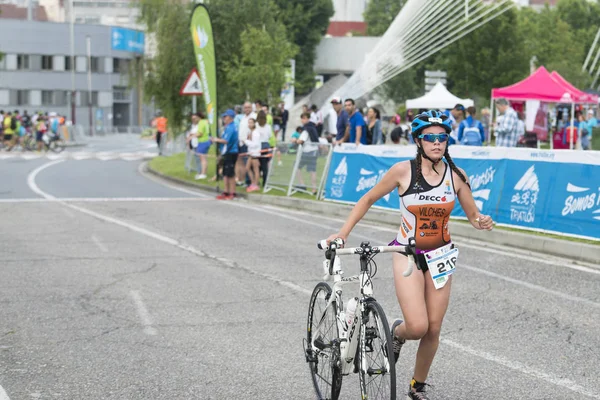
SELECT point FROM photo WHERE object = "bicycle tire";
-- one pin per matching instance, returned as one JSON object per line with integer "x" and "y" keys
{"x": 29, "y": 143}
{"x": 377, "y": 375}
{"x": 324, "y": 364}
{"x": 57, "y": 146}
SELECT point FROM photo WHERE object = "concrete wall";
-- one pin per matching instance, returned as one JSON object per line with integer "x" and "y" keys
{"x": 342, "y": 55}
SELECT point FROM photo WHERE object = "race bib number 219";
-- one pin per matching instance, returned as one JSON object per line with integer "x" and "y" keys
{"x": 441, "y": 263}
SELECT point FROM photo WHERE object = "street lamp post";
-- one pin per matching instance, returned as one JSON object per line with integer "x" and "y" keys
{"x": 73, "y": 95}
{"x": 89, "y": 64}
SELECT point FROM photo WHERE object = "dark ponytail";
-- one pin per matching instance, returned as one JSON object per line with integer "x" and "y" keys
{"x": 455, "y": 168}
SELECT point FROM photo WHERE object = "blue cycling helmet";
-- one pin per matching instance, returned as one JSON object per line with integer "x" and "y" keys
{"x": 430, "y": 118}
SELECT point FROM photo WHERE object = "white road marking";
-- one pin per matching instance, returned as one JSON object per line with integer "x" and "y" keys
{"x": 98, "y": 243}
{"x": 530, "y": 285}
{"x": 567, "y": 384}
{"x": 3, "y": 395}
{"x": 464, "y": 242}
{"x": 524, "y": 369}
{"x": 33, "y": 174}
{"x": 143, "y": 313}
{"x": 104, "y": 199}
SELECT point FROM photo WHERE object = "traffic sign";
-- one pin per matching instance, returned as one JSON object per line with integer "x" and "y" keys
{"x": 433, "y": 81}
{"x": 192, "y": 85}
{"x": 436, "y": 74}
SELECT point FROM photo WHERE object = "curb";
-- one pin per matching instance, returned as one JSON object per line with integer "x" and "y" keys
{"x": 523, "y": 241}
{"x": 75, "y": 144}
{"x": 213, "y": 189}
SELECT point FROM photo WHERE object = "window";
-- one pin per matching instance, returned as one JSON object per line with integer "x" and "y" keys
{"x": 22, "y": 97}
{"x": 92, "y": 20}
{"x": 68, "y": 63}
{"x": 120, "y": 65}
{"x": 47, "y": 63}
{"x": 22, "y": 61}
{"x": 46, "y": 97}
{"x": 83, "y": 99}
{"x": 95, "y": 63}
{"x": 55, "y": 97}
{"x": 120, "y": 93}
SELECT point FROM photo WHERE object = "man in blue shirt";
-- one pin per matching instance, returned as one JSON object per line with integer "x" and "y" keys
{"x": 356, "y": 132}
{"x": 230, "y": 154}
{"x": 342, "y": 119}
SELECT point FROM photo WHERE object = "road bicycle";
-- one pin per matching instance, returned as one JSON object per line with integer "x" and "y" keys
{"x": 51, "y": 141}
{"x": 356, "y": 339}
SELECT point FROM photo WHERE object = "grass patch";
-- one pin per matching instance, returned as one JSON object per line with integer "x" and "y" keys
{"x": 174, "y": 166}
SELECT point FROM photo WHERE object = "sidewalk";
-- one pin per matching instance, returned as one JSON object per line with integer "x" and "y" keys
{"x": 528, "y": 242}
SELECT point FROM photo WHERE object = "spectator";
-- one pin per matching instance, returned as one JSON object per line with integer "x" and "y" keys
{"x": 204, "y": 143}
{"x": 238, "y": 116}
{"x": 373, "y": 127}
{"x": 341, "y": 120}
{"x": 507, "y": 126}
{"x": 265, "y": 131}
{"x": 485, "y": 120}
{"x": 310, "y": 141}
{"x": 330, "y": 124}
{"x": 243, "y": 134}
{"x": 457, "y": 115}
{"x": 592, "y": 122}
{"x": 230, "y": 154}
{"x": 253, "y": 165}
{"x": 285, "y": 115}
{"x": 257, "y": 106}
{"x": 304, "y": 108}
{"x": 293, "y": 147}
{"x": 583, "y": 131}
{"x": 521, "y": 128}
{"x": 471, "y": 131}
{"x": 397, "y": 134}
{"x": 265, "y": 108}
{"x": 316, "y": 117}
{"x": 355, "y": 133}
{"x": 191, "y": 139}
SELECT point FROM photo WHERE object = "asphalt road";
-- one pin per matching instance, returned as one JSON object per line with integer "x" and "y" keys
{"x": 116, "y": 286}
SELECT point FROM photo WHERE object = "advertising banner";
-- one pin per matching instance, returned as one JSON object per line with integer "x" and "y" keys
{"x": 543, "y": 190}
{"x": 204, "y": 47}
{"x": 127, "y": 40}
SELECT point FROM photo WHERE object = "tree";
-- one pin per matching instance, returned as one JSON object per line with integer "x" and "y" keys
{"x": 380, "y": 14}
{"x": 259, "y": 69}
{"x": 168, "y": 23}
{"x": 306, "y": 22}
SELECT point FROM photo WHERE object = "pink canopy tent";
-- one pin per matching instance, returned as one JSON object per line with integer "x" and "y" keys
{"x": 542, "y": 86}
{"x": 583, "y": 97}
{"x": 545, "y": 87}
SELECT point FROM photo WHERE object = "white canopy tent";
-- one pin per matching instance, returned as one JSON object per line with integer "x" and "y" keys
{"x": 438, "y": 98}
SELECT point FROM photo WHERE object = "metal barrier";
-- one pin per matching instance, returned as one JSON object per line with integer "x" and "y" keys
{"x": 310, "y": 169}
{"x": 303, "y": 171}
{"x": 281, "y": 169}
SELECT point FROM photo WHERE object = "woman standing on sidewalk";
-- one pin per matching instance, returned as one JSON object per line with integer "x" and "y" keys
{"x": 428, "y": 187}
{"x": 265, "y": 131}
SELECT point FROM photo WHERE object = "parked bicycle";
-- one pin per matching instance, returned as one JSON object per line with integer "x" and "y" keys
{"x": 355, "y": 339}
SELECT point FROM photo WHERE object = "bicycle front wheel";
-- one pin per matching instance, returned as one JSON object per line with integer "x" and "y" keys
{"x": 377, "y": 372}
{"x": 323, "y": 348}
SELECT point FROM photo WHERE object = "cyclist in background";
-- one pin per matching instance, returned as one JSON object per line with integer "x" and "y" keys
{"x": 428, "y": 187}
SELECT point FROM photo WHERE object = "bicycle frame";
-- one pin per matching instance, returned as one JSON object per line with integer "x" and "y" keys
{"x": 348, "y": 335}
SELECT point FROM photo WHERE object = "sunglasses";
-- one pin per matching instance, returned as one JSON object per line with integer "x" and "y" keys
{"x": 432, "y": 137}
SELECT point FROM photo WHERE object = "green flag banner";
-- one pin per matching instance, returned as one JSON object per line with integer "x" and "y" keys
{"x": 204, "y": 47}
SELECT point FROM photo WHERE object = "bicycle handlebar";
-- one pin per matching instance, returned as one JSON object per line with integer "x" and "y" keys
{"x": 336, "y": 246}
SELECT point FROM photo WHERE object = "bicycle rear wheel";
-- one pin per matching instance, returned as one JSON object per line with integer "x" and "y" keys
{"x": 377, "y": 373}
{"x": 324, "y": 356}
{"x": 57, "y": 145}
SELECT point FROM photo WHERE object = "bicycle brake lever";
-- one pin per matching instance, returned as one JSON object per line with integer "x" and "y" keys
{"x": 412, "y": 254}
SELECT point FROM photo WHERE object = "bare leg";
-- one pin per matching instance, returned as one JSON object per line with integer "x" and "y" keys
{"x": 410, "y": 292}
{"x": 437, "y": 304}
{"x": 204, "y": 163}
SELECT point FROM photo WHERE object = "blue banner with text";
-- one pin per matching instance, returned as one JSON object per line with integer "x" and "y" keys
{"x": 543, "y": 190}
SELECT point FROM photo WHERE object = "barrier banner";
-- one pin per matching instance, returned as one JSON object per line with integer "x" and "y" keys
{"x": 542, "y": 190}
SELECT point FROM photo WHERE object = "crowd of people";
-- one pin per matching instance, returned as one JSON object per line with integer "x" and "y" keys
{"x": 14, "y": 126}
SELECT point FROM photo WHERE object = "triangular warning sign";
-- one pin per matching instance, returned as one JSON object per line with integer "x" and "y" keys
{"x": 192, "y": 85}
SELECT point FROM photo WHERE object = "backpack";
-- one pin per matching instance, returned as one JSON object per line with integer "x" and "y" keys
{"x": 13, "y": 123}
{"x": 471, "y": 136}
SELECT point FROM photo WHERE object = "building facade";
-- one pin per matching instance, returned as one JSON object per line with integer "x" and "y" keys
{"x": 36, "y": 72}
